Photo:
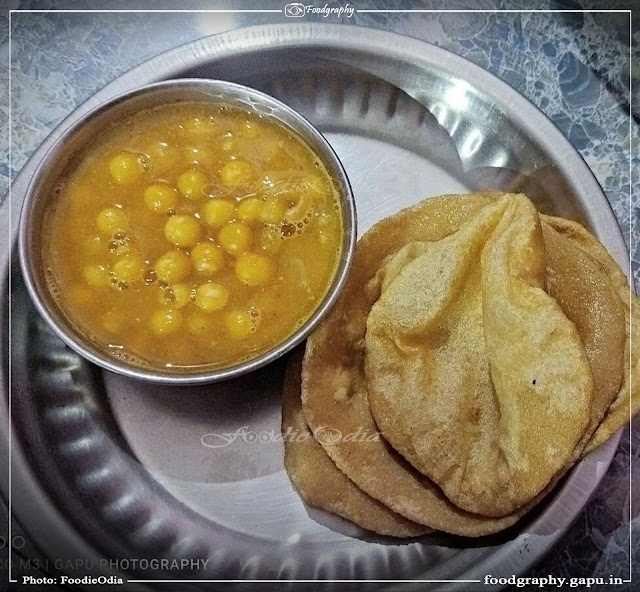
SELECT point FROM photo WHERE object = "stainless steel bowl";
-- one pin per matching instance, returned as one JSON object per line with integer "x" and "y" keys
{"x": 62, "y": 154}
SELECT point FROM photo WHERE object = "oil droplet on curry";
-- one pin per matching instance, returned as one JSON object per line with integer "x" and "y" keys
{"x": 193, "y": 234}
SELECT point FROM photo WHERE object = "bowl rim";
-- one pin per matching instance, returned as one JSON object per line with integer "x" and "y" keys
{"x": 73, "y": 339}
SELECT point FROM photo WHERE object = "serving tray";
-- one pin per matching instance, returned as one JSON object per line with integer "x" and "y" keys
{"x": 104, "y": 467}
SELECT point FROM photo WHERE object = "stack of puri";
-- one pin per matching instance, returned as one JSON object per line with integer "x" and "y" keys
{"x": 488, "y": 347}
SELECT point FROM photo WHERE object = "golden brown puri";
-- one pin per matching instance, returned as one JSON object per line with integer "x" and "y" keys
{"x": 474, "y": 373}
{"x": 587, "y": 295}
{"x": 319, "y": 482}
{"x": 627, "y": 400}
{"x": 333, "y": 389}
{"x": 333, "y": 367}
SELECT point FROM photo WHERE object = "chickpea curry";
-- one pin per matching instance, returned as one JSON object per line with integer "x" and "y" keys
{"x": 193, "y": 234}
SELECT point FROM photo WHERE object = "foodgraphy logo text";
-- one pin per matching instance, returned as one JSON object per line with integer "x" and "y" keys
{"x": 298, "y": 10}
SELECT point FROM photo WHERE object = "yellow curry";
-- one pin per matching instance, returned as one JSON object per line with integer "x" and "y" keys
{"x": 193, "y": 234}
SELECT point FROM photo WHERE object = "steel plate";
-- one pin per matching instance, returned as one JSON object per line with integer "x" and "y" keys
{"x": 107, "y": 467}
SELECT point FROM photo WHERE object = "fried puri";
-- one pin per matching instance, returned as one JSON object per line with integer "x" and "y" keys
{"x": 626, "y": 403}
{"x": 585, "y": 285}
{"x": 333, "y": 383}
{"x": 319, "y": 482}
{"x": 474, "y": 373}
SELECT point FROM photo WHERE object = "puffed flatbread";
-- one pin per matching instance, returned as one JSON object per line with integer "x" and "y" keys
{"x": 333, "y": 389}
{"x": 320, "y": 483}
{"x": 334, "y": 392}
{"x": 627, "y": 401}
{"x": 474, "y": 373}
